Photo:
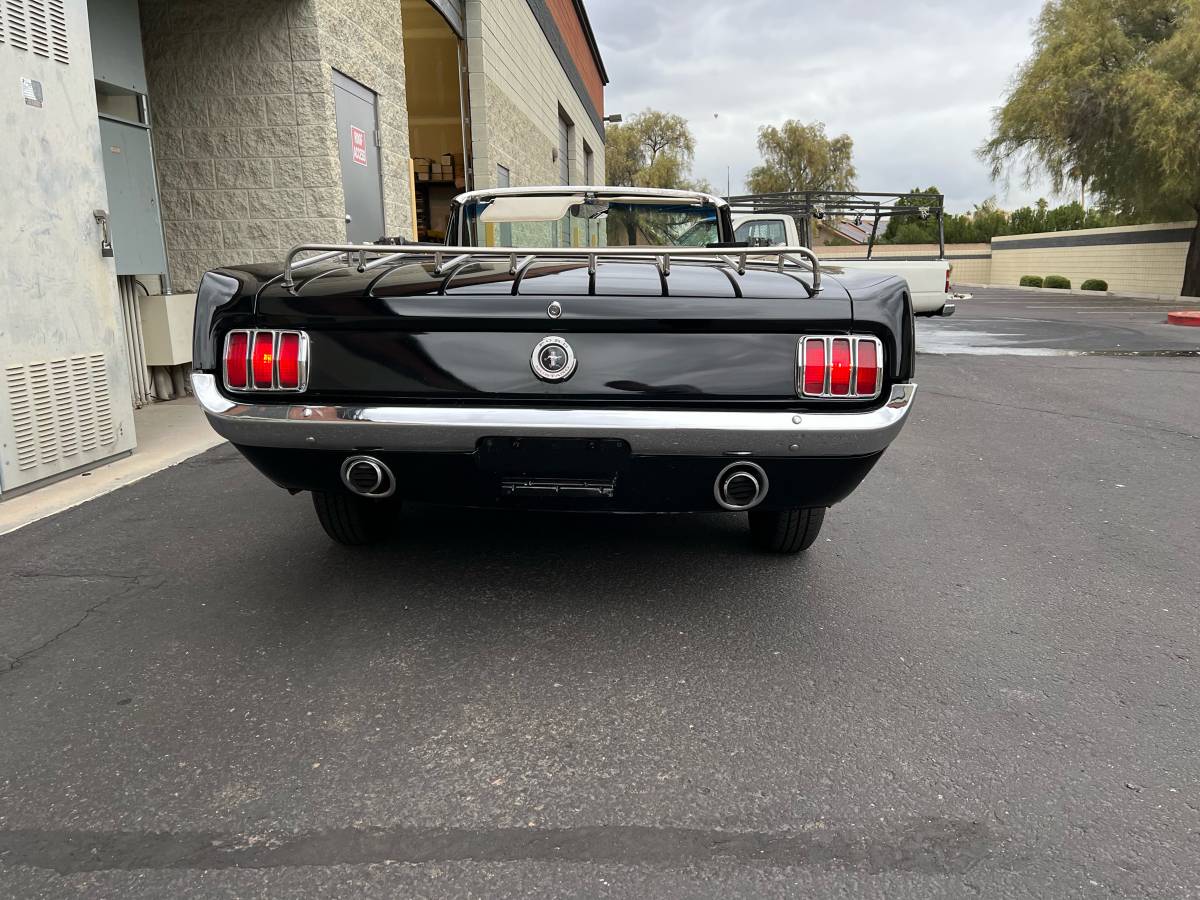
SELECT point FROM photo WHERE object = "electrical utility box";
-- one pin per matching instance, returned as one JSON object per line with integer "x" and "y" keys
{"x": 135, "y": 224}
{"x": 64, "y": 381}
{"x": 121, "y": 89}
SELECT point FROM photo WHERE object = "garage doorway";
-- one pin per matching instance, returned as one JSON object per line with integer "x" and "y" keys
{"x": 356, "y": 108}
{"x": 434, "y": 55}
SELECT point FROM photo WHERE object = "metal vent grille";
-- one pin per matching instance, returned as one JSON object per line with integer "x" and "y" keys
{"x": 61, "y": 409}
{"x": 58, "y": 32}
{"x": 39, "y": 30}
{"x": 37, "y": 25}
{"x": 15, "y": 27}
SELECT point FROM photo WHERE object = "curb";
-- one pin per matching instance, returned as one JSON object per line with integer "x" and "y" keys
{"x": 1184, "y": 317}
{"x": 181, "y": 444}
{"x": 1124, "y": 295}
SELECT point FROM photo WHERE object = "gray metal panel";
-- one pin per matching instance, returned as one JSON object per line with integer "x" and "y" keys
{"x": 64, "y": 380}
{"x": 564, "y": 149}
{"x": 132, "y": 199}
{"x": 117, "y": 43}
{"x": 358, "y": 152}
{"x": 1104, "y": 239}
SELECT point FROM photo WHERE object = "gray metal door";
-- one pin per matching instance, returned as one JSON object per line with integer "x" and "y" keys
{"x": 132, "y": 199}
{"x": 362, "y": 179}
{"x": 564, "y": 149}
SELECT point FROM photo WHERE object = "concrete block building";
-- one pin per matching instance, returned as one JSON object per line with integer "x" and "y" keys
{"x": 151, "y": 140}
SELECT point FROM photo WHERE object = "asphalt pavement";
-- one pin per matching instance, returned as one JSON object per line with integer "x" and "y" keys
{"x": 980, "y": 681}
{"x": 1036, "y": 323}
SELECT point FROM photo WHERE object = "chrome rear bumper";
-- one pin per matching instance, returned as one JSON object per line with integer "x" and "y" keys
{"x": 650, "y": 432}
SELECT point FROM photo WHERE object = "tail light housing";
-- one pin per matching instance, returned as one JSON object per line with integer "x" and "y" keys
{"x": 287, "y": 366}
{"x": 813, "y": 354}
{"x": 265, "y": 360}
{"x": 237, "y": 360}
{"x": 840, "y": 367}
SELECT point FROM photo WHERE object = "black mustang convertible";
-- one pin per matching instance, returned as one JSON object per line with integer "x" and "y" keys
{"x": 578, "y": 348}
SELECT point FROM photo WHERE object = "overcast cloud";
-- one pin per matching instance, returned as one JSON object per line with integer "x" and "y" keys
{"x": 914, "y": 83}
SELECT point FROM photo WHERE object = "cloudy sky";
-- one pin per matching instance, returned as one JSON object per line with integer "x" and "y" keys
{"x": 914, "y": 83}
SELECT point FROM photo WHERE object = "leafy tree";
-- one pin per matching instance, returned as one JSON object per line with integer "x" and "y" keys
{"x": 622, "y": 154}
{"x": 987, "y": 221}
{"x": 1111, "y": 97}
{"x": 799, "y": 157}
{"x": 650, "y": 149}
{"x": 915, "y": 230}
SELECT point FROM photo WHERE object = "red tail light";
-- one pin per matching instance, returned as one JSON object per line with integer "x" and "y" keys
{"x": 289, "y": 361}
{"x": 814, "y": 367}
{"x": 237, "y": 354}
{"x": 841, "y": 367}
{"x": 866, "y": 379}
{"x": 262, "y": 359}
{"x": 266, "y": 360}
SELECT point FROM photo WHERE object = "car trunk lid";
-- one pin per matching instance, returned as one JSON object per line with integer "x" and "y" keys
{"x": 700, "y": 334}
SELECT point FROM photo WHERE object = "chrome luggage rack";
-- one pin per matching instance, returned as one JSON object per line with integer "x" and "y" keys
{"x": 447, "y": 260}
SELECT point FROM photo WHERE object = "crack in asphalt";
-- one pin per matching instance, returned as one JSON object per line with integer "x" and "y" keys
{"x": 1022, "y": 363}
{"x": 1064, "y": 415}
{"x": 929, "y": 846}
{"x": 78, "y": 575}
{"x": 132, "y": 584}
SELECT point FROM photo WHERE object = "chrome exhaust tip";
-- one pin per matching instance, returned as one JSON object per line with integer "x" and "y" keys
{"x": 741, "y": 486}
{"x": 948, "y": 309}
{"x": 368, "y": 477}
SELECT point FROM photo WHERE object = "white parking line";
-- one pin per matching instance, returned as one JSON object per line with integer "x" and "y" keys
{"x": 1158, "y": 304}
{"x": 1109, "y": 309}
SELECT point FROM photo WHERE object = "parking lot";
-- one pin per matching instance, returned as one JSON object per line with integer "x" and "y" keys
{"x": 980, "y": 681}
{"x": 999, "y": 321}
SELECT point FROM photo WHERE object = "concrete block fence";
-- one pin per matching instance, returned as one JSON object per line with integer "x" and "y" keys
{"x": 1136, "y": 260}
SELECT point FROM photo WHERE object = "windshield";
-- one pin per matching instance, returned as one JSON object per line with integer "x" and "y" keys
{"x": 578, "y": 220}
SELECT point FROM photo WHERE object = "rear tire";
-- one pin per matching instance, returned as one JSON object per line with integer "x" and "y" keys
{"x": 785, "y": 531}
{"x": 354, "y": 521}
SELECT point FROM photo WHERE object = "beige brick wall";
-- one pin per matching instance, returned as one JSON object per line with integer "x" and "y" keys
{"x": 1149, "y": 268}
{"x": 363, "y": 39}
{"x": 970, "y": 271}
{"x": 972, "y": 263}
{"x": 516, "y": 143}
{"x": 517, "y": 85}
{"x": 907, "y": 250}
{"x": 1136, "y": 268}
{"x": 245, "y": 136}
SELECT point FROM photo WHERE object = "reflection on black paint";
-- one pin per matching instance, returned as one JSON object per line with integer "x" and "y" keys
{"x": 665, "y": 390}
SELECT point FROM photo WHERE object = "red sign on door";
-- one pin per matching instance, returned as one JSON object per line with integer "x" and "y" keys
{"x": 358, "y": 144}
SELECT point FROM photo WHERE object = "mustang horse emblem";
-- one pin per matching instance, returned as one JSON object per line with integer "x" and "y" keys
{"x": 553, "y": 359}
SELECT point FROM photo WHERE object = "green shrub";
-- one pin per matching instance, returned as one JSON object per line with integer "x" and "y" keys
{"x": 1095, "y": 284}
{"x": 1031, "y": 281}
{"x": 1056, "y": 281}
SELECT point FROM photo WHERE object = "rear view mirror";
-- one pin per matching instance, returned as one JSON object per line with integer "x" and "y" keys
{"x": 592, "y": 209}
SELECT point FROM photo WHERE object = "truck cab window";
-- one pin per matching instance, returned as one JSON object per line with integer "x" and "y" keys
{"x": 762, "y": 233}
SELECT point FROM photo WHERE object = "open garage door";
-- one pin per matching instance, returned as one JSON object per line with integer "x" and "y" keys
{"x": 437, "y": 127}
{"x": 452, "y": 12}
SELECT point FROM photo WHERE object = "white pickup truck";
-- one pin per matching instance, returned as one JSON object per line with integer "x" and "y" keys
{"x": 928, "y": 280}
